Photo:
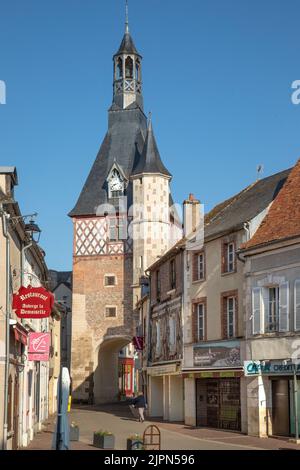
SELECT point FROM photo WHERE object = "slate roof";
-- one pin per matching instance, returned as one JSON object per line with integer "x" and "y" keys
{"x": 127, "y": 46}
{"x": 150, "y": 161}
{"x": 123, "y": 144}
{"x": 233, "y": 213}
{"x": 283, "y": 219}
{"x": 60, "y": 277}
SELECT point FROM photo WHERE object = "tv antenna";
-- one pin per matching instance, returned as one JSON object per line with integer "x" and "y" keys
{"x": 260, "y": 170}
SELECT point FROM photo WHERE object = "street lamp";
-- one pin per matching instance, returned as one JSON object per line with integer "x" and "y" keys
{"x": 33, "y": 230}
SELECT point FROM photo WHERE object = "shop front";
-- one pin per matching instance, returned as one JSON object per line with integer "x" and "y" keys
{"x": 165, "y": 392}
{"x": 280, "y": 381}
{"x": 218, "y": 403}
{"x": 214, "y": 386}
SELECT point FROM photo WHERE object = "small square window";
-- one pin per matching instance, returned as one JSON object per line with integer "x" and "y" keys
{"x": 110, "y": 280}
{"x": 111, "y": 312}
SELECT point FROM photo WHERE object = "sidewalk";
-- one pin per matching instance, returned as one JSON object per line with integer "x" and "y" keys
{"x": 118, "y": 419}
{"x": 43, "y": 439}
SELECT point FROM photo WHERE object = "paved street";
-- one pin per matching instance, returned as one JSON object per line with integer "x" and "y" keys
{"x": 118, "y": 419}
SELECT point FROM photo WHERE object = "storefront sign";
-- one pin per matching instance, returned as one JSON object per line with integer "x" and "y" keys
{"x": 33, "y": 302}
{"x": 223, "y": 354}
{"x": 162, "y": 370}
{"x": 254, "y": 368}
{"x": 213, "y": 375}
{"x": 39, "y": 345}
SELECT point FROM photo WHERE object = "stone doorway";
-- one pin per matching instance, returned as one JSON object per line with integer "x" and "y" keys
{"x": 106, "y": 375}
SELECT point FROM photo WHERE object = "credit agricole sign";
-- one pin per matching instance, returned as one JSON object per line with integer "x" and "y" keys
{"x": 271, "y": 368}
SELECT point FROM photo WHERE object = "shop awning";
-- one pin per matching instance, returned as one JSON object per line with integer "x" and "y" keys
{"x": 20, "y": 333}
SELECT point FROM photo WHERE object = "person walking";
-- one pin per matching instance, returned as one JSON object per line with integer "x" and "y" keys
{"x": 140, "y": 403}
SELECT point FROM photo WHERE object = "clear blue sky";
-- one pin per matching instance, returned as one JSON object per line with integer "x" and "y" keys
{"x": 217, "y": 77}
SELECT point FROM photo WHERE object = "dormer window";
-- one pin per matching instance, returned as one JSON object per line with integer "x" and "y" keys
{"x": 116, "y": 184}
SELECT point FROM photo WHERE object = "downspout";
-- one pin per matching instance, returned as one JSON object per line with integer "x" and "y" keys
{"x": 5, "y": 218}
{"x": 147, "y": 339}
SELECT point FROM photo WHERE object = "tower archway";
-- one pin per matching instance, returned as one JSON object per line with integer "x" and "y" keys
{"x": 106, "y": 375}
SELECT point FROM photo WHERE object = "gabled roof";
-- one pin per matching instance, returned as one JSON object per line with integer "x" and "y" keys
{"x": 127, "y": 45}
{"x": 150, "y": 161}
{"x": 10, "y": 170}
{"x": 243, "y": 207}
{"x": 283, "y": 219}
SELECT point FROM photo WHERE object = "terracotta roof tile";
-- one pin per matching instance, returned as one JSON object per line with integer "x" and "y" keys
{"x": 283, "y": 218}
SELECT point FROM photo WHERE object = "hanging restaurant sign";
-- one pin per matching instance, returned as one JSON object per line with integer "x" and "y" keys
{"x": 39, "y": 345}
{"x": 33, "y": 302}
{"x": 138, "y": 343}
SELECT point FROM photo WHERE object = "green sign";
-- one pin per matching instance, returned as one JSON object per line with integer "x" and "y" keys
{"x": 252, "y": 368}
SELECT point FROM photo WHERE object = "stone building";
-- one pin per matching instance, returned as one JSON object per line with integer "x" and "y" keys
{"x": 61, "y": 286}
{"x": 272, "y": 323}
{"x": 214, "y": 309}
{"x": 165, "y": 351}
{"x": 122, "y": 223}
{"x": 23, "y": 383}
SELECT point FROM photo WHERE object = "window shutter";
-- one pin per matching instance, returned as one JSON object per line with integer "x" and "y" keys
{"x": 265, "y": 299}
{"x": 172, "y": 331}
{"x": 256, "y": 310}
{"x": 194, "y": 323}
{"x": 195, "y": 267}
{"x": 297, "y": 305}
{"x": 284, "y": 307}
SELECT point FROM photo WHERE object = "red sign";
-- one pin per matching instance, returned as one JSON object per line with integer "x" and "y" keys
{"x": 138, "y": 343}
{"x": 33, "y": 302}
{"x": 39, "y": 345}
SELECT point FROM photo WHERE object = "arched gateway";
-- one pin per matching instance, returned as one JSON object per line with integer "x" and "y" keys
{"x": 113, "y": 244}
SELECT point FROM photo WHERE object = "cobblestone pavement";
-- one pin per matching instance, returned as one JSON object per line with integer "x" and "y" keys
{"x": 175, "y": 436}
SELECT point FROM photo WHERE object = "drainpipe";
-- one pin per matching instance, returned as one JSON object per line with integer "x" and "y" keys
{"x": 5, "y": 218}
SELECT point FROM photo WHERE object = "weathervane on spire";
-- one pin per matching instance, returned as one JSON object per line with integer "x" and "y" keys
{"x": 126, "y": 18}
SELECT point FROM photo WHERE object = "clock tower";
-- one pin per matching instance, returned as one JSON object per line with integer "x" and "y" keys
{"x": 126, "y": 191}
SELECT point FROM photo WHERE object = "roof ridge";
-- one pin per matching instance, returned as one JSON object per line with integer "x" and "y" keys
{"x": 230, "y": 202}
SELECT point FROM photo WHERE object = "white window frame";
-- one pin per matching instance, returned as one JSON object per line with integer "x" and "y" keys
{"x": 233, "y": 316}
{"x": 296, "y": 305}
{"x": 231, "y": 257}
{"x": 267, "y": 314}
{"x": 200, "y": 266}
{"x": 203, "y": 321}
{"x": 259, "y": 311}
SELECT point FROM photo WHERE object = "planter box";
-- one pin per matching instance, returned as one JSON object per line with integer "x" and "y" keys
{"x": 74, "y": 433}
{"x": 104, "y": 442}
{"x": 134, "y": 444}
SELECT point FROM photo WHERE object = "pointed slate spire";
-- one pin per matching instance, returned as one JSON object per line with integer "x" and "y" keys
{"x": 150, "y": 161}
{"x": 126, "y": 18}
{"x": 127, "y": 45}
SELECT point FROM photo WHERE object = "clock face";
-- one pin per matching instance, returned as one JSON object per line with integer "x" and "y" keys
{"x": 115, "y": 183}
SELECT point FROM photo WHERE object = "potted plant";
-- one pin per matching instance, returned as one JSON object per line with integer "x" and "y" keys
{"x": 135, "y": 442}
{"x": 74, "y": 432}
{"x": 104, "y": 440}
